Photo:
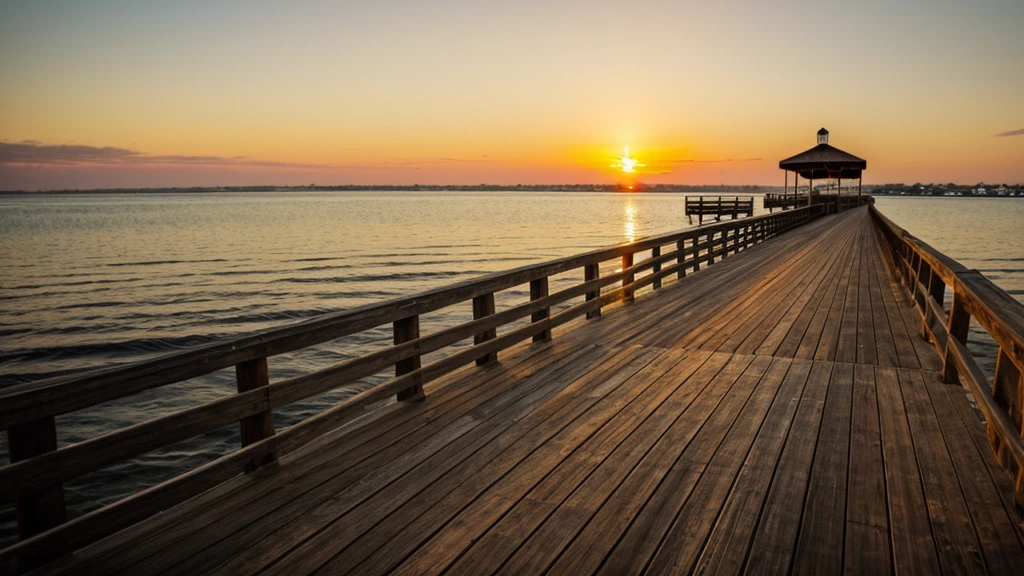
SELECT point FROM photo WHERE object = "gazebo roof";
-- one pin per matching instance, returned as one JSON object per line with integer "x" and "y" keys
{"x": 825, "y": 161}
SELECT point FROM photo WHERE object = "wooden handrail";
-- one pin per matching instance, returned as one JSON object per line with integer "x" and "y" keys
{"x": 925, "y": 274}
{"x": 63, "y": 394}
{"x": 38, "y": 468}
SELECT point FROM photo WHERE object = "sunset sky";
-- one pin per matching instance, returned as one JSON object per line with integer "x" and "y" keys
{"x": 137, "y": 93}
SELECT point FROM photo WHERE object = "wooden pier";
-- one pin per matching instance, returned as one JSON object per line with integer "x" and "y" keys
{"x": 784, "y": 201}
{"x": 718, "y": 206}
{"x": 771, "y": 407}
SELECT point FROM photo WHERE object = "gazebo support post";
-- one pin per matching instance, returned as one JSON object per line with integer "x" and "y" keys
{"x": 839, "y": 193}
{"x": 785, "y": 188}
{"x": 859, "y": 179}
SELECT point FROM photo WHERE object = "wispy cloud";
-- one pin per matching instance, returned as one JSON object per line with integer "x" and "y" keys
{"x": 31, "y": 152}
{"x": 36, "y": 153}
{"x": 1013, "y": 133}
{"x": 693, "y": 161}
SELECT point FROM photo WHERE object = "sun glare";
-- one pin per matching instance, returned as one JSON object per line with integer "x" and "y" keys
{"x": 625, "y": 163}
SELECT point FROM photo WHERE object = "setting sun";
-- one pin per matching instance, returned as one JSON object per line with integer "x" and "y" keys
{"x": 625, "y": 163}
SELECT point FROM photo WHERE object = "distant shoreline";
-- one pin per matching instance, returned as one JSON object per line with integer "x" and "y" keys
{"x": 901, "y": 190}
{"x": 655, "y": 188}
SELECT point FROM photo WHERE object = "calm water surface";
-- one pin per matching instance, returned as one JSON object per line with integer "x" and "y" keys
{"x": 90, "y": 280}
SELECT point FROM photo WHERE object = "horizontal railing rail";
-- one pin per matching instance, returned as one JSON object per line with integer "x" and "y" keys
{"x": 38, "y": 468}
{"x": 926, "y": 275}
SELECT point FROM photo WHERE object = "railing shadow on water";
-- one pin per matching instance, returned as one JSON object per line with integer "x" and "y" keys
{"x": 558, "y": 291}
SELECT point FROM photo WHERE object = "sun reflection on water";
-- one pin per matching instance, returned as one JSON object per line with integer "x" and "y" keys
{"x": 630, "y": 222}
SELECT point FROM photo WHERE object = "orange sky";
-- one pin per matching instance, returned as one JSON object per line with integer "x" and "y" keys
{"x": 111, "y": 94}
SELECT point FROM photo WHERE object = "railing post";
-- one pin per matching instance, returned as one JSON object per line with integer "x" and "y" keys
{"x": 251, "y": 375}
{"x": 937, "y": 290}
{"x": 655, "y": 253}
{"x": 627, "y": 278}
{"x": 483, "y": 305}
{"x": 538, "y": 290}
{"x": 959, "y": 323}
{"x": 923, "y": 277}
{"x": 680, "y": 258}
{"x": 44, "y": 509}
{"x": 592, "y": 272}
{"x": 1005, "y": 392}
{"x": 406, "y": 330}
{"x": 696, "y": 252}
{"x": 912, "y": 276}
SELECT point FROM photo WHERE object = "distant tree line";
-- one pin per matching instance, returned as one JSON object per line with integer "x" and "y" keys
{"x": 638, "y": 187}
{"x": 900, "y": 189}
{"x": 947, "y": 189}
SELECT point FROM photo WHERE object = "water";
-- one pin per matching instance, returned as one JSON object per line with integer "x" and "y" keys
{"x": 980, "y": 233}
{"x": 91, "y": 280}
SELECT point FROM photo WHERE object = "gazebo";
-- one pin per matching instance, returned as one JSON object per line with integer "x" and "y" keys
{"x": 823, "y": 161}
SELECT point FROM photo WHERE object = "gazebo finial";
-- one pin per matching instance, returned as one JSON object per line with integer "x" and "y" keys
{"x": 822, "y": 136}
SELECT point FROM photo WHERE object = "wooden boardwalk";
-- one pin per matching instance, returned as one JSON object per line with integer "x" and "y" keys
{"x": 777, "y": 412}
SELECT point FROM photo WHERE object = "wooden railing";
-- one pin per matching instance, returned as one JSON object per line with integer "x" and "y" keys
{"x": 773, "y": 200}
{"x": 718, "y": 206}
{"x": 38, "y": 468}
{"x": 927, "y": 274}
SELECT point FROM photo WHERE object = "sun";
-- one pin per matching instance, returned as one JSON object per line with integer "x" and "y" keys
{"x": 625, "y": 163}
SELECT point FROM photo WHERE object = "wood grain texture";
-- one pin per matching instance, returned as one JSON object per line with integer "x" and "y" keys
{"x": 706, "y": 427}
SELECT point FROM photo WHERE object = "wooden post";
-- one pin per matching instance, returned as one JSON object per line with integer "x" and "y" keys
{"x": 44, "y": 509}
{"x": 250, "y": 375}
{"x": 405, "y": 330}
{"x": 696, "y": 252}
{"x": 839, "y": 194}
{"x": 656, "y": 252}
{"x": 859, "y": 179}
{"x": 1006, "y": 393}
{"x": 680, "y": 258}
{"x": 592, "y": 272}
{"x": 483, "y": 305}
{"x": 937, "y": 290}
{"x": 627, "y": 278}
{"x": 959, "y": 323}
{"x": 538, "y": 290}
{"x": 922, "y": 271}
{"x": 912, "y": 276}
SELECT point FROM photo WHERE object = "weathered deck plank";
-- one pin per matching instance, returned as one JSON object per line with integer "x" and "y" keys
{"x": 775, "y": 412}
